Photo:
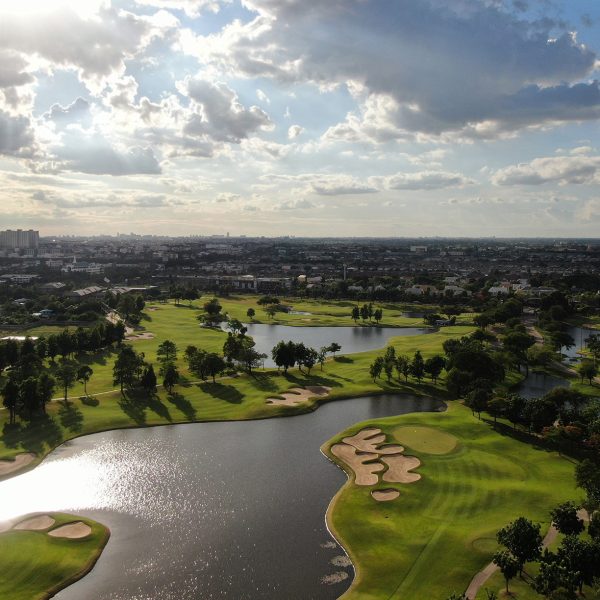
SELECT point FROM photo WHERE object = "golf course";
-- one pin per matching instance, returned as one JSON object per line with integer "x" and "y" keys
{"x": 427, "y": 542}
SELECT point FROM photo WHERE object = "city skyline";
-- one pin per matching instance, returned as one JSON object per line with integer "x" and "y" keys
{"x": 305, "y": 118}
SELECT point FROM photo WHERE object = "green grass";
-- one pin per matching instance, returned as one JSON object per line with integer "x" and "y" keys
{"x": 230, "y": 398}
{"x": 36, "y": 566}
{"x": 441, "y": 530}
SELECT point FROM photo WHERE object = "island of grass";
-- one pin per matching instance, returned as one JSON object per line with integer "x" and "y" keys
{"x": 440, "y": 531}
{"x": 43, "y": 554}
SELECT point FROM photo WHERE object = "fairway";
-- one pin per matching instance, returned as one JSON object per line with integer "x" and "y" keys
{"x": 440, "y": 531}
{"x": 35, "y": 565}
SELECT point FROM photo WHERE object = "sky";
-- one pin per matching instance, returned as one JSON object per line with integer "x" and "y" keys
{"x": 301, "y": 117}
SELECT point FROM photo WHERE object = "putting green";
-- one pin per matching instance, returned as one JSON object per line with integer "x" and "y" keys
{"x": 426, "y": 439}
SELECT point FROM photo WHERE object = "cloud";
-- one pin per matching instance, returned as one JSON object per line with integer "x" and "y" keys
{"x": 220, "y": 116}
{"x": 96, "y": 47}
{"x": 77, "y": 111}
{"x": 96, "y": 156}
{"x": 578, "y": 169}
{"x": 294, "y": 131}
{"x": 340, "y": 185}
{"x": 298, "y": 204}
{"x": 473, "y": 67}
{"x": 262, "y": 96}
{"x": 192, "y": 8}
{"x": 16, "y": 135}
{"x": 426, "y": 180}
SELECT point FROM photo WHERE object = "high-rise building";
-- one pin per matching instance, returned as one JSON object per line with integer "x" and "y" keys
{"x": 19, "y": 238}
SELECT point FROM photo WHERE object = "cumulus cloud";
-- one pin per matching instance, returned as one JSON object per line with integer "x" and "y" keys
{"x": 426, "y": 180}
{"x": 520, "y": 73}
{"x": 96, "y": 47}
{"x": 340, "y": 185}
{"x": 16, "y": 135}
{"x": 192, "y": 8}
{"x": 578, "y": 169}
{"x": 77, "y": 111}
{"x": 294, "y": 131}
{"x": 220, "y": 115}
{"x": 96, "y": 156}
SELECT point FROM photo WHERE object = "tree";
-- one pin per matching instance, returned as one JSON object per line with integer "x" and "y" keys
{"x": 477, "y": 400}
{"x": 191, "y": 294}
{"x": 334, "y": 348}
{"x": 148, "y": 380}
{"x": 565, "y": 519}
{"x": 322, "y": 356}
{"x": 517, "y": 344}
{"x": 270, "y": 310}
{"x": 587, "y": 370}
{"x": 496, "y": 407}
{"x": 10, "y": 398}
{"x": 508, "y": 564}
{"x": 126, "y": 306}
{"x": 214, "y": 365}
{"x": 284, "y": 355}
{"x": 28, "y": 395}
{"x": 364, "y": 312}
{"x": 306, "y": 356}
{"x": 66, "y": 375}
{"x": 127, "y": 367}
{"x": 355, "y": 313}
{"x": 236, "y": 327}
{"x": 554, "y": 576}
{"x": 212, "y": 307}
{"x": 46, "y": 384}
{"x": 587, "y": 477}
{"x": 403, "y": 366}
{"x": 593, "y": 346}
{"x": 523, "y": 540}
{"x": 84, "y": 373}
{"x": 167, "y": 351}
{"x": 171, "y": 377}
{"x": 540, "y": 413}
{"x": 250, "y": 313}
{"x": 378, "y": 314}
{"x": 264, "y": 300}
{"x": 581, "y": 557}
{"x": 52, "y": 347}
{"x": 140, "y": 304}
{"x": 417, "y": 366}
{"x": 376, "y": 368}
{"x": 434, "y": 366}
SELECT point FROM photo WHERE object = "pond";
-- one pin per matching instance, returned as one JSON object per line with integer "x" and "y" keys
{"x": 351, "y": 339}
{"x": 580, "y": 336}
{"x": 536, "y": 385}
{"x": 209, "y": 510}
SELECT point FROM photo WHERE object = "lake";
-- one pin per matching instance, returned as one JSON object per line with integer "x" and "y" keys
{"x": 351, "y": 339}
{"x": 209, "y": 510}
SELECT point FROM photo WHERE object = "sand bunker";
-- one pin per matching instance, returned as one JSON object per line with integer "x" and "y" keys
{"x": 365, "y": 473}
{"x": 72, "y": 531}
{"x": 39, "y": 523}
{"x": 367, "y": 455}
{"x": 146, "y": 335}
{"x": 297, "y": 395}
{"x": 385, "y": 495}
{"x": 10, "y": 466}
{"x": 369, "y": 440}
{"x": 334, "y": 578}
{"x": 399, "y": 467}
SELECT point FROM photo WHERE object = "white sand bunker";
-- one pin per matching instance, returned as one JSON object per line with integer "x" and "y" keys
{"x": 297, "y": 395}
{"x": 146, "y": 335}
{"x": 370, "y": 440}
{"x": 367, "y": 455}
{"x": 72, "y": 531}
{"x": 38, "y": 523}
{"x": 399, "y": 467}
{"x": 341, "y": 561}
{"x": 10, "y": 466}
{"x": 365, "y": 473}
{"x": 385, "y": 495}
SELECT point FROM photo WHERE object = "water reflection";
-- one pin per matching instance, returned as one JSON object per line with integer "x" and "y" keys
{"x": 351, "y": 339}
{"x": 209, "y": 510}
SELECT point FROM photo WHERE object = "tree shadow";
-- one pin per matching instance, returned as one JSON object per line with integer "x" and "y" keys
{"x": 132, "y": 408}
{"x": 315, "y": 378}
{"x": 89, "y": 400}
{"x": 343, "y": 359}
{"x": 224, "y": 392}
{"x": 263, "y": 381}
{"x": 33, "y": 435}
{"x": 70, "y": 416}
{"x": 183, "y": 405}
